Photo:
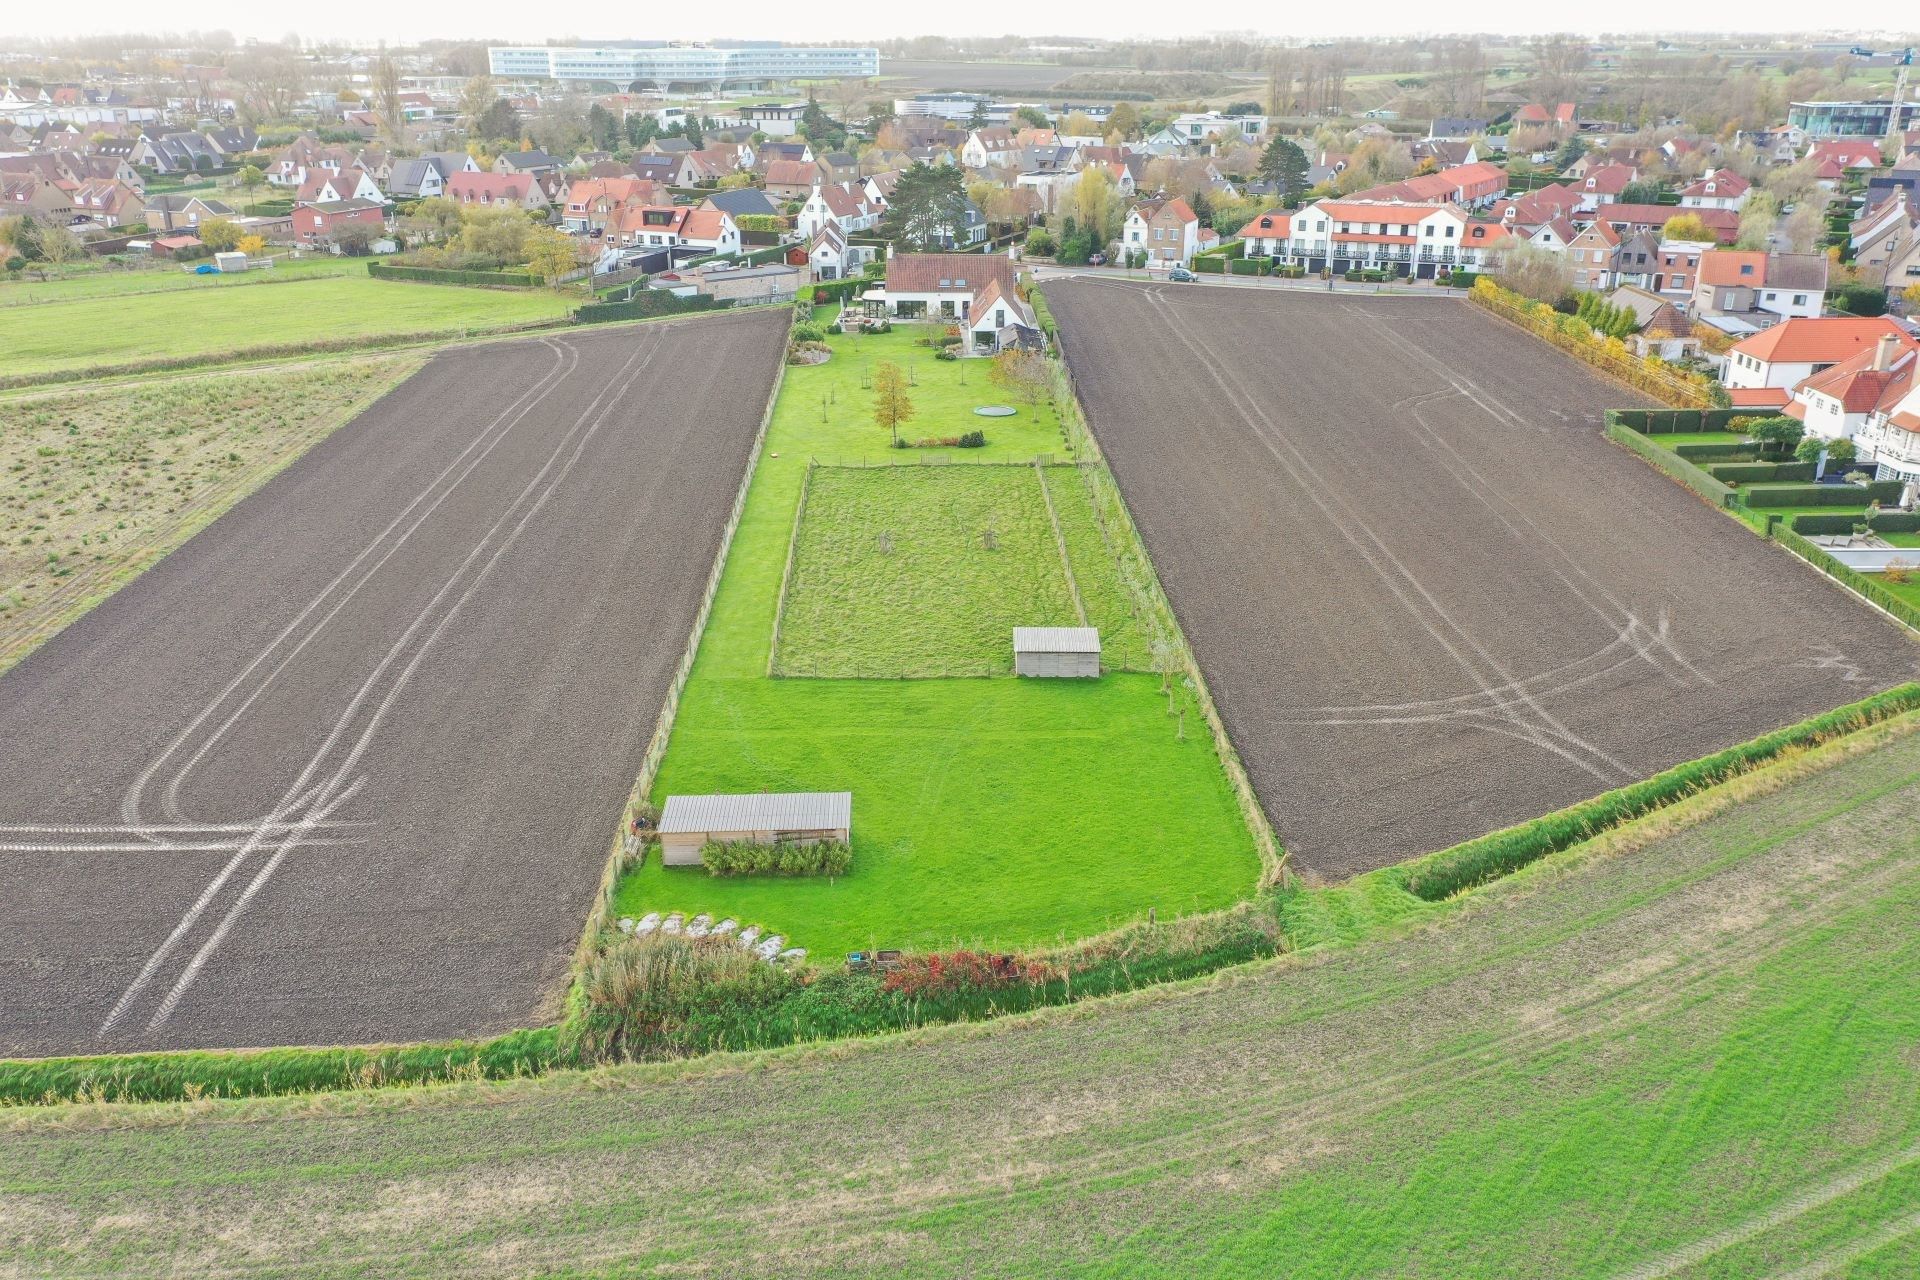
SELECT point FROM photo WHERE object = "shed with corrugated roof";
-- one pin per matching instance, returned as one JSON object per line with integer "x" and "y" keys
{"x": 795, "y": 817}
{"x": 1056, "y": 651}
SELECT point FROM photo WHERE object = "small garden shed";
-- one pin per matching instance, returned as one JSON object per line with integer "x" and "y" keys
{"x": 799, "y": 817}
{"x": 1056, "y": 651}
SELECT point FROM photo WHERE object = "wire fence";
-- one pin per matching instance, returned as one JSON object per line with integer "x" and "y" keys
{"x": 786, "y": 574}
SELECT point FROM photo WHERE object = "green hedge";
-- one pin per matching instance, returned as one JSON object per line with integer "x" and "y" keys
{"x": 1660, "y": 422}
{"x": 835, "y": 290}
{"x": 1882, "y": 522}
{"x": 1732, "y": 451}
{"x": 1462, "y": 279}
{"x": 1861, "y": 582}
{"x": 179, "y": 1077}
{"x": 751, "y": 858}
{"x": 1249, "y": 266}
{"x": 1761, "y": 472}
{"x": 440, "y": 275}
{"x": 1668, "y": 461}
{"x": 1042, "y": 314}
{"x": 645, "y": 304}
{"x": 1822, "y": 495}
{"x": 1210, "y": 266}
{"x": 1441, "y": 875}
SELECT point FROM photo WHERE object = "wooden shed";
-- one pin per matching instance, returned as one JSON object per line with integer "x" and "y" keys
{"x": 1056, "y": 651}
{"x": 797, "y": 817}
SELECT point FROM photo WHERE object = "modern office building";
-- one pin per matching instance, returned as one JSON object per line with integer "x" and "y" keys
{"x": 659, "y": 66}
{"x": 1873, "y": 119}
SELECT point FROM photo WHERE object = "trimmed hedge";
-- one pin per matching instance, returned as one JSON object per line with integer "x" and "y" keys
{"x": 1210, "y": 266}
{"x": 751, "y": 858}
{"x": 1882, "y": 522}
{"x": 1476, "y": 862}
{"x": 440, "y": 275}
{"x": 1732, "y": 451}
{"x": 1660, "y": 422}
{"x": 835, "y": 290}
{"x": 1668, "y": 461}
{"x": 1761, "y": 472}
{"x": 1249, "y": 266}
{"x": 645, "y": 305}
{"x": 1863, "y": 583}
{"x": 1822, "y": 495}
{"x": 1042, "y": 314}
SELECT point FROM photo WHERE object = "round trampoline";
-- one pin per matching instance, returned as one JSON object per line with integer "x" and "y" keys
{"x": 995, "y": 411}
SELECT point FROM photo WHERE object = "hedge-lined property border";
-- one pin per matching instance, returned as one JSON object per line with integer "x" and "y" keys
{"x": 1861, "y": 584}
{"x": 1476, "y": 862}
{"x": 1661, "y": 459}
{"x": 443, "y": 275}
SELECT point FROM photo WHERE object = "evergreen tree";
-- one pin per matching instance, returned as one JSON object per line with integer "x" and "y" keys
{"x": 1284, "y": 165}
{"x": 500, "y": 122}
{"x": 978, "y": 120}
{"x": 926, "y": 209}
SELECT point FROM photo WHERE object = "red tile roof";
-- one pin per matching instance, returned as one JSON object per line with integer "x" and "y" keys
{"x": 1821, "y": 340}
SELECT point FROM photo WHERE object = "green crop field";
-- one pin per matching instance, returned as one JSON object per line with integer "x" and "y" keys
{"x": 103, "y": 481}
{"x": 924, "y": 571}
{"x": 209, "y": 322}
{"x": 1687, "y": 1050}
{"x": 1001, "y": 812}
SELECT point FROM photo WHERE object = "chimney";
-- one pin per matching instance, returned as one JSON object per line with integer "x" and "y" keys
{"x": 1883, "y": 352}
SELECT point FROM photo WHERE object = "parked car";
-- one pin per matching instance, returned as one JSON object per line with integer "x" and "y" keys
{"x": 1096, "y": 259}
{"x": 1181, "y": 274}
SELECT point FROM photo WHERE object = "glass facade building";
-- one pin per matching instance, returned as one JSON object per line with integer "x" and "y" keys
{"x": 661, "y": 65}
{"x": 1851, "y": 119}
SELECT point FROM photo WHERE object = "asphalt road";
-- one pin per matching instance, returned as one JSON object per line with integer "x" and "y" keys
{"x": 1429, "y": 596}
{"x": 345, "y": 767}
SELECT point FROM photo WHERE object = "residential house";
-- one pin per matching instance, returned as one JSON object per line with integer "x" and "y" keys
{"x": 1890, "y": 437}
{"x": 1604, "y": 184}
{"x": 792, "y": 179}
{"x": 1837, "y": 402}
{"x": 1536, "y": 115}
{"x": 1776, "y": 360}
{"x": 1457, "y": 127}
{"x": 945, "y": 285}
{"x": 988, "y": 146}
{"x": 1418, "y": 240}
{"x": 535, "y": 161}
{"x": 1444, "y": 152}
{"x": 1593, "y": 254}
{"x": 998, "y": 318}
{"x": 769, "y": 282}
{"x": 1167, "y": 230}
{"x": 416, "y": 179}
{"x": 830, "y": 256}
{"x": 1266, "y": 236}
{"x": 1196, "y": 128}
{"x": 772, "y": 151}
{"x": 740, "y": 202}
{"x": 1556, "y": 235}
{"x": 843, "y": 205}
{"x": 325, "y": 185}
{"x": 29, "y": 193}
{"x": 317, "y": 224}
{"x": 1664, "y": 330}
{"x": 1716, "y": 189}
{"x": 1883, "y": 237}
{"x": 108, "y": 204}
{"x": 511, "y": 190}
{"x": 665, "y": 170}
{"x": 1471, "y": 186}
{"x": 693, "y": 231}
{"x": 1848, "y": 153}
{"x": 1759, "y": 285}
{"x": 1637, "y": 260}
{"x": 1677, "y": 268}
{"x": 591, "y": 202}
{"x": 183, "y": 212}
{"x": 1724, "y": 223}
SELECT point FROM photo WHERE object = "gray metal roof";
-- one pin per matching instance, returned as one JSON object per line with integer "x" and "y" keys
{"x": 785, "y": 811}
{"x": 1056, "y": 640}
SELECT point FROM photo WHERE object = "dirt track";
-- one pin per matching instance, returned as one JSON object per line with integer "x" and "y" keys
{"x": 345, "y": 767}
{"x": 1430, "y": 597}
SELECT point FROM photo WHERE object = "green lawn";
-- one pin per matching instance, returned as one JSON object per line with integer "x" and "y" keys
{"x": 922, "y": 571}
{"x": 102, "y": 282}
{"x": 1001, "y": 811}
{"x": 113, "y": 330}
{"x": 1688, "y": 1050}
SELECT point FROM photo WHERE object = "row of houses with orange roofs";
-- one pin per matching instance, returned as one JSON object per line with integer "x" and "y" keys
{"x": 1843, "y": 377}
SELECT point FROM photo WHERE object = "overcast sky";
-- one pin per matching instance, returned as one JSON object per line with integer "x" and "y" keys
{"x": 370, "y": 21}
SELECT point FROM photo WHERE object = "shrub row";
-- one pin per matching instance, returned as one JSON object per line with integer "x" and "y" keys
{"x": 1441, "y": 875}
{"x": 1210, "y": 266}
{"x": 1668, "y": 461}
{"x": 1732, "y": 451}
{"x": 751, "y": 858}
{"x": 1042, "y": 314}
{"x": 1295, "y": 271}
{"x": 642, "y": 1005}
{"x": 1758, "y": 472}
{"x": 1250, "y": 266}
{"x": 1861, "y": 582}
{"x": 645, "y": 304}
{"x": 834, "y": 290}
{"x": 1571, "y": 334}
{"x": 184, "y": 1077}
{"x": 440, "y": 275}
{"x": 1660, "y": 422}
{"x": 1881, "y": 522}
{"x": 1821, "y": 495}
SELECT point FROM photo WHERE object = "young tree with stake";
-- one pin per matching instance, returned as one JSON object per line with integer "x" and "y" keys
{"x": 891, "y": 404}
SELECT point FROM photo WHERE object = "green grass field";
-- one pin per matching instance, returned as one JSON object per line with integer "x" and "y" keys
{"x": 211, "y": 321}
{"x": 1688, "y": 1050}
{"x": 1004, "y": 812}
{"x": 925, "y": 571}
{"x": 101, "y": 282}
